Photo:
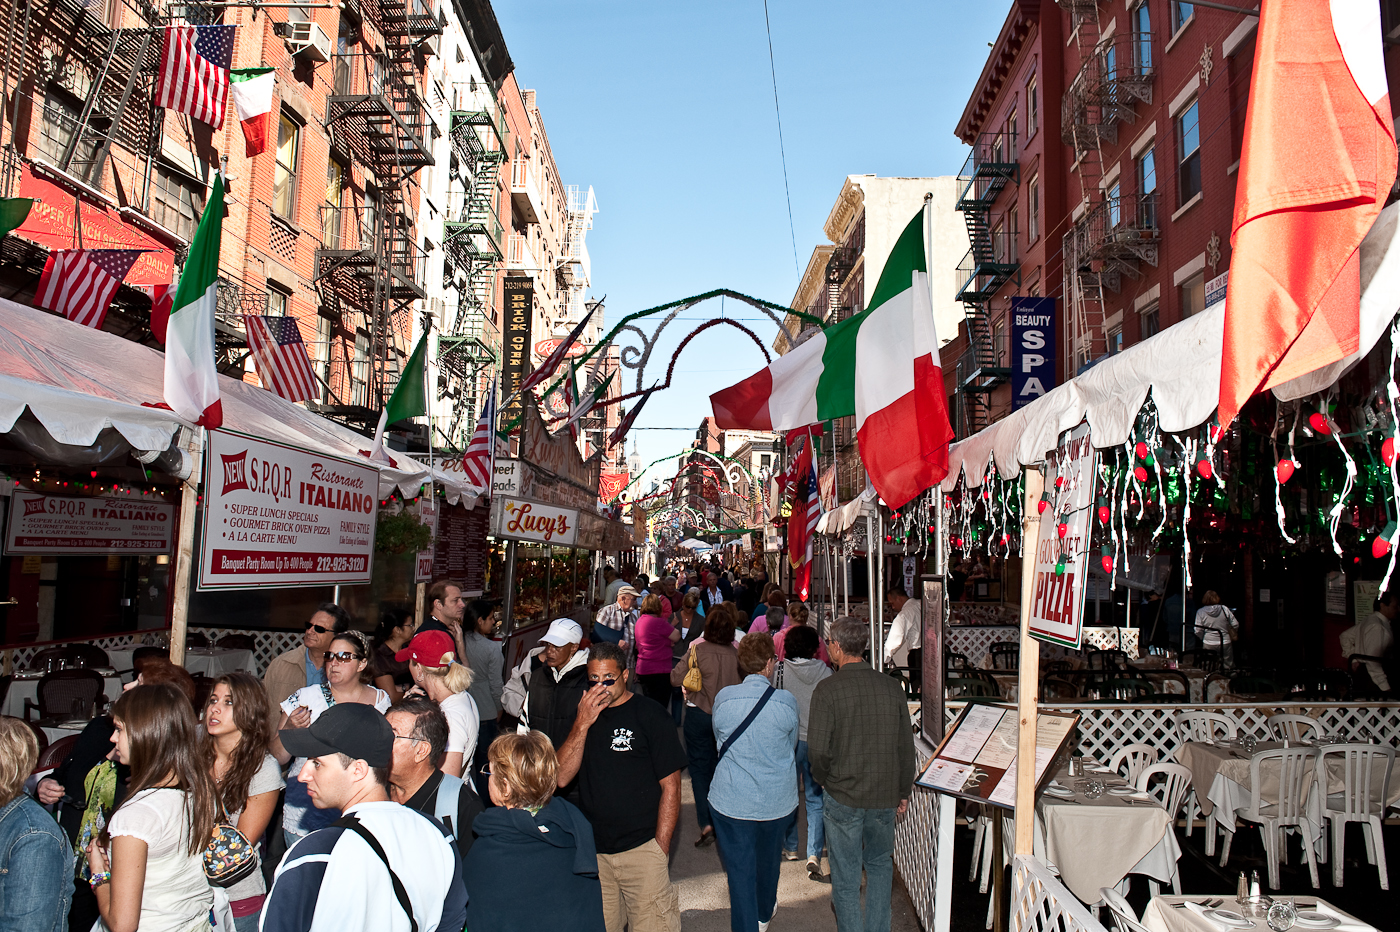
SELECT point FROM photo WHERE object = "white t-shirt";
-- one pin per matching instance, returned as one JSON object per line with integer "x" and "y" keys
{"x": 297, "y": 804}
{"x": 266, "y": 780}
{"x": 463, "y": 726}
{"x": 176, "y": 895}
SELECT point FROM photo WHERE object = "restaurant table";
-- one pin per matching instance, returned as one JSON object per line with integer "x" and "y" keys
{"x": 1163, "y": 914}
{"x": 1224, "y": 769}
{"x": 210, "y": 662}
{"x": 63, "y": 730}
{"x": 1095, "y": 843}
{"x": 26, "y": 686}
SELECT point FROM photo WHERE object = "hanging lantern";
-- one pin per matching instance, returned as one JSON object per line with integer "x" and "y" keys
{"x": 1284, "y": 470}
{"x": 1381, "y": 545}
{"x": 1318, "y": 422}
{"x": 1104, "y": 511}
{"x": 1388, "y": 451}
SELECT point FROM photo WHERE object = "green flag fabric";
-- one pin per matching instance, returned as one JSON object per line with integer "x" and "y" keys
{"x": 410, "y": 398}
{"x": 13, "y": 211}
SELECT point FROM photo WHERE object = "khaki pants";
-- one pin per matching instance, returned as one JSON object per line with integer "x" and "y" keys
{"x": 637, "y": 891}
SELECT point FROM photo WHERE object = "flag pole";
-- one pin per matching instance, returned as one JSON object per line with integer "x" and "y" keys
{"x": 183, "y": 567}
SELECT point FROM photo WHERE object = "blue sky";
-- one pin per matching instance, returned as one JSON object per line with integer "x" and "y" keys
{"x": 666, "y": 109}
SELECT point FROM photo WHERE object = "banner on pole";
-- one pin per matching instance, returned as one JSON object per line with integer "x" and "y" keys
{"x": 1062, "y": 549}
{"x": 280, "y": 516}
{"x": 1032, "y": 349}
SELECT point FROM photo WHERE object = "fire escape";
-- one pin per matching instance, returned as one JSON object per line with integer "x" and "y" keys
{"x": 472, "y": 244}
{"x": 1111, "y": 234}
{"x": 988, "y": 265}
{"x": 369, "y": 268}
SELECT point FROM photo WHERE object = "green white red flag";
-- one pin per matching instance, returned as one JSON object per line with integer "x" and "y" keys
{"x": 191, "y": 378}
{"x": 880, "y": 365}
{"x": 251, "y": 90}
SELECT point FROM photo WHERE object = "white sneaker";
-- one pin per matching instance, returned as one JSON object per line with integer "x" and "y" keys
{"x": 763, "y": 926}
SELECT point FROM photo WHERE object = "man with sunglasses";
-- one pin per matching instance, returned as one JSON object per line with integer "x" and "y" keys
{"x": 305, "y": 665}
{"x": 627, "y": 758}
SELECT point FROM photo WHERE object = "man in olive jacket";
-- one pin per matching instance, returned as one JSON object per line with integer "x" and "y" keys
{"x": 861, "y": 746}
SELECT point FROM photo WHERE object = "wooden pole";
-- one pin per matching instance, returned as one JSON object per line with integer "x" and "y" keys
{"x": 1028, "y": 688}
{"x": 418, "y": 605}
{"x": 184, "y": 554}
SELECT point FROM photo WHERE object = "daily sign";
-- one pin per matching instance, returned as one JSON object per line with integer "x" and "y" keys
{"x": 1057, "y": 601}
{"x": 1032, "y": 349}
{"x": 277, "y": 515}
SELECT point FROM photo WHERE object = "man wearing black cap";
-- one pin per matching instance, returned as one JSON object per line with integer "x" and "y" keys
{"x": 382, "y": 866}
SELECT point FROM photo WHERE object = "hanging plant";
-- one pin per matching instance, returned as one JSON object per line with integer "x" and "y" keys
{"x": 401, "y": 533}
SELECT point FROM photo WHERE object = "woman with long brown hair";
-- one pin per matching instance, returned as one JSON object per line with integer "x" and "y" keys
{"x": 233, "y": 748}
{"x": 152, "y": 875}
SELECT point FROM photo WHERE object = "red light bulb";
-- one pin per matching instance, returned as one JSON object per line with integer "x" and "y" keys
{"x": 1104, "y": 514}
{"x": 1140, "y": 474}
{"x": 1380, "y": 546}
{"x": 1318, "y": 422}
{"x": 1205, "y": 469}
{"x": 1063, "y": 529}
{"x": 1107, "y": 565}
{"x": 1041, "y": 505}
{"x": 1388, "y": 451}
{"x": 1141, "y": 450}
{"x": 1284, "y": 470}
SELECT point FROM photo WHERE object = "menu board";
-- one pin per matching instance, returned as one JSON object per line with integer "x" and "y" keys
{"x": 461, "y": 546}
{"x": 59, "y": 524}
{"x": 977, "y": 758}
{"x": 1062, "y": 549}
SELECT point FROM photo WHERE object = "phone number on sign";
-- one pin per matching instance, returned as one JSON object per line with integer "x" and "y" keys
{"x": 340, "y": 564}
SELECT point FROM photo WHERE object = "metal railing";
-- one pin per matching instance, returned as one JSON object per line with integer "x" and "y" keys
{"x": 988, "y": 168}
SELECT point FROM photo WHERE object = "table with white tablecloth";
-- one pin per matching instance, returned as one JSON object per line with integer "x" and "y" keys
{"x": 26, "y": 686}
{"x": 212, "y": 663}
{"x": 1095, "y": 843}
{"x": 1166, "y": 914}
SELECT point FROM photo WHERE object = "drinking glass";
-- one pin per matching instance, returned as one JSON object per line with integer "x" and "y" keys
{"x": 1282, "y": 915}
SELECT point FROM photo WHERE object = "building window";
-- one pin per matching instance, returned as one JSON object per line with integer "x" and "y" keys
{"x": 1113, "y": 198}
{"x": 341, "y": 71}
{"x": 1149, "y": 322}
{"x": 1147, "y": 190}
{"x": 59, "y": 121}
{"x": 1032, "y": 108}
{"x": 765, "y": 460}
{"x": 1142, "y": 37}
{"x": 1013, "y": 231}
{"x": 331, "y": 207}
{"x": 371, "y": 218}
{"x": 999, "y": 243}
{"x": 1115, "y": 341}
{"x": 1011, "y": 124}
{"x": 999, "y": 341}
{"x": 359, "y": 370}
{"x": 1188, "y": 147}
{"x": 1193, "y": 295}
{"x": 1033, "y": 209}
{"x": 176, "y": 202}
{"x": 278, "y": 301}
{"x": 284, "y": 180}
{"x": 1181, "y": 14}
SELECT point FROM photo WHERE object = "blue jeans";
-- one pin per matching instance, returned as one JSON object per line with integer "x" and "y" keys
{"x": 751, "y": 855}
{"x": 860, "y": 838}
{"x": 816, "y": 831}
{"x": 704, "y": 758}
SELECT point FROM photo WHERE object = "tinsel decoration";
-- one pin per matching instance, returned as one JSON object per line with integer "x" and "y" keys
{"x": 1393, "y": 393}
{"x": 1282, "y": 474}
{"x": 1334, "y": 517}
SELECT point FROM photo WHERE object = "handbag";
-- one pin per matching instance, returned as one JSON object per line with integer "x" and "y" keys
{"x": 693, "y": 682}
{"x": 229, "y": 857}
{"x": 748, "y": 720}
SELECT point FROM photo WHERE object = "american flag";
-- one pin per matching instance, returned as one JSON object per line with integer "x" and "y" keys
{"x": 280, "y": 355}
{"x": 194, "y": 67}
{"x": 79, "y": 283}
{"x": 802, "y": 528}
{"x": 476, "y": 462}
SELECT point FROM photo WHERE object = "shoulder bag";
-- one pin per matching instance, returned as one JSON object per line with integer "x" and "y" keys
{"x": 229, "y": 857}
{"x": 693, "y": 682}
{"x": 400, "y": 893}
{"x": 748, "y": 720}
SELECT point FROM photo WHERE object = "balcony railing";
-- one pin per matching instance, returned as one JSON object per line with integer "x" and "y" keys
{"x": 1101, "y": 95}
{"x": 989, "y": 167}
{"x": 518, "y": 254}
{"x": 1120, "y": 227}
{"x": 987, "y": 266}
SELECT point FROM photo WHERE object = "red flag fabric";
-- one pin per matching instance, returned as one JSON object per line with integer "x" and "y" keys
{"x": 802, "y": 528}
{"x": 161, "y": 298}
{"x": 621, "y": 430}
{"x": 280, "y": 356}
{"x": 476, "y": 461}
{"x": 194, "y": 66}
{"x": 547, "y": 367}
{"x": 79, "y": 283}
{"x": 1317, "y": 165}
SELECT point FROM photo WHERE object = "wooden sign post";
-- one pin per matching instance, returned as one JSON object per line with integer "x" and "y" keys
{"x": 184, "y": 553}
{"x": 1029, "y": 680}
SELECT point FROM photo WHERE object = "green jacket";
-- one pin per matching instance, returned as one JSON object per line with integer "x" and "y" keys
{"x": 860, "y": 739}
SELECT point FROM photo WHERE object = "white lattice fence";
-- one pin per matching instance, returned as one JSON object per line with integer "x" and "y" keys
{"x": 21, "y": 656}
{"x": 266, "y": 644}
{"x": 974, "y": 640}
{"x": 925, "y": 830}
{"x": 1105, "y": 729}
{"x": 1040, "y": 903}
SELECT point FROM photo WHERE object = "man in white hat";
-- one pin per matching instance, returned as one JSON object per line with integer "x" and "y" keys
{"x": 549, "y": 702}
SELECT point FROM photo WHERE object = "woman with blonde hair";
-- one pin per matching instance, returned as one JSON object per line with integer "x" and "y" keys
{"x": 233, "y": 748}
{"x": 347, "y": 679}
{"x": 151, "y": 876}
{"x": 36, "y": 858}
{"x": 438, "y": 675}
{"x": 533, "y": 864}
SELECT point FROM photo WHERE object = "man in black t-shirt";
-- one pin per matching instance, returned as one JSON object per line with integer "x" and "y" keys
{"x": 628, "y": 761}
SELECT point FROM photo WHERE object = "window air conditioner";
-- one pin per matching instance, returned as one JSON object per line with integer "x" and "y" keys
{"x": 310, "y": 40}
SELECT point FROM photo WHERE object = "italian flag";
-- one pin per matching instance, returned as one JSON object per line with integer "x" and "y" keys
{"x": 251, "y": 90}
{"x": 191, "y": 379}
{"x": 880, "y": 365}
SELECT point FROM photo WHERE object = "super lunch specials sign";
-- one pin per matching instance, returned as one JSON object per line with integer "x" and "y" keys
{"x": 62, "y": 524}
{"x": 277, "y": 515}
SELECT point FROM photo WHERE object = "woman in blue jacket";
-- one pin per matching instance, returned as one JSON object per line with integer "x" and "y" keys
{"x": 36, "y": 858}
{"x": 533, "y": 865}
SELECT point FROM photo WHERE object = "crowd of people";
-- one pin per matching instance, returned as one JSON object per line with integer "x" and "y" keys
{"x": 410, "y": 783}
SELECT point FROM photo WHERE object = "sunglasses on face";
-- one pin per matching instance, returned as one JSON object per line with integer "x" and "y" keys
{"x": 343, "y": 656}
{"x": 607, "y": 682}
{"x": 317, "y": 628}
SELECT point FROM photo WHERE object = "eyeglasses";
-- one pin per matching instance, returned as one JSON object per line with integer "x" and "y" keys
{"x": 486, "y": 770}
{"x": 317, "y": 628}
{"x": 343, "y": 656}
{"x": 408, "y": 738}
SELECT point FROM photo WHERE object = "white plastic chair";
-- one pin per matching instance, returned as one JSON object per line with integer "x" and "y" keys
{"x": 1124, "y": 917}
{"x": 1294, "y": 728}
{"x": 1136, "y": 757}
{"x": 1295, "y": 778}
{"x": 1202, "y": 726}
{"x": 1171, "y": 792}
{"x": 1366, "y": 777}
